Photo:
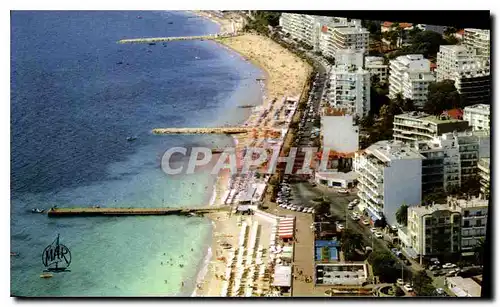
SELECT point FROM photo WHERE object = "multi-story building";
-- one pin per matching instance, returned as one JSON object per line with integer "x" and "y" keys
{"x": 441, "y": 163}
{"x": 389, "y": 175}
{"x": 479, "y": 40}
{"x": 438, "y": 229}
{"x": 474, "y": 214}
{"x": 434, "y": 229}
{"x": 417, "y": 126}
{"x": 350, "y": 84}
{"x": 483, "y": 166}
{"x": 330, "y": 39}
{"x": 311, "y": 29}
{"x": 410, "y": 75}
{"x": 403, "y": 28}
{"x": 356, "y": 38}
{"x": 478, "y": 116}
{"x": 470, "y": 73}
{"x": 472, "y": 145}
{"x": 375, "y": 65}
{"x": 339, "y": 132}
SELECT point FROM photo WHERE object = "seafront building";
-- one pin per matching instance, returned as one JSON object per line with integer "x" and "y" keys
{"x": 350, "y": 84}
{"x": 375, "y": 65}
{"x": 478, "y": 40}
{"x": 478, "y": 116}
{"x": 339, "y": 131}
{"x": 470, "y": 72}
{"x": 438, "y": 229}
{"x": 410, "y": 75}
{"x": 418, "y": 126}
{"x": 355, "y": 38}
{"x": 311, "y": 29}
{"x": 389, "y": 175}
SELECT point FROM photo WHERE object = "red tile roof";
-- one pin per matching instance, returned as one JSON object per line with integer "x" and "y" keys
{"x": 454, "y": 113}
{"x": 403, "y": 25}
{"x": 460, "y": 32}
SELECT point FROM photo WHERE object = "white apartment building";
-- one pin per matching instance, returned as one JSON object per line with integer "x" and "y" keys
{"x": 479, "y": 40}
{"x": 410, "y": 75}
{"x": 389, "y": 175}
{"x": 350, "y": 84}
{"x": 375, "y": 65}
{"x": 311, "y": 29}
{"x": 418, "y": 126}
{"x": 478, "y": 116}
{"x": 453, "y": 227}
{"x": 356, "y": 38}
{"x": 441, "y": 163}
{"x": 470, "y": 72}
{"x": 474, "y": 214}
{"x": 473, "y": 145}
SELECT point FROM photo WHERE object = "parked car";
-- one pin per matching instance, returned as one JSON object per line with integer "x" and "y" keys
{"x": 449, "y": 266}
{"x": 434, "y": 267}
{"x": 373, "y": 230}
{"x": 343, "y": 191}
{"x": 350, "y": 206}
{"x": 408, "y": 288}
{"x": 365, "y": 222}
{"x": 379, "y": 235}
{"x": 356, "y": 201}
{"x": 400, "y": 282}
{"x": 440, "y": 291}
{"x": 340, "y": 226}
{"x": 368, "y": 249}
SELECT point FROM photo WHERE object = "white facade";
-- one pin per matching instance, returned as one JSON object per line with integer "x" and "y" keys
{"x": 375, "y": 65}
{"x": 469, "y": 72}
{"x": 479, "y": 40}
{"x": 478, "y": 116}
{"x": 311, "y": 29}
{"x": 484, "y": 169}
{"x": 456, "y": 226}
{"x": 339, "y": 133}
{"x": 355, "y": 38}
{"x": 418, "y": 126}
{"x": 350, "y": 84}
{"x": 390, "y": 174}
{"x": 410, "y": 75}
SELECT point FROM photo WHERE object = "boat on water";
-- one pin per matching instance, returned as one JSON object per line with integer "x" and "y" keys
{"x": 197, "y": 57}
{"x": 46, "y": 275}
{"x": 152, "y": 44}
{"x": 171, "y": 23}
{"x": 37, "y": 210}
{"x": 139, "y": 17}
{"x": 119, "y": 63}
{"x": 131, "y": 138}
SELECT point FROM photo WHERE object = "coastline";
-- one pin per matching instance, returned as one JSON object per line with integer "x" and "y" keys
{"x": 278, "y": 83}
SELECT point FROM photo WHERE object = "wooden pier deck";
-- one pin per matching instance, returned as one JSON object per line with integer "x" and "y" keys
{"x": 74, "y": 212}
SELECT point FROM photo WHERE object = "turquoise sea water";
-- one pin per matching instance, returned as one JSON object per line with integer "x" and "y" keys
{"x": 72, "y": 107}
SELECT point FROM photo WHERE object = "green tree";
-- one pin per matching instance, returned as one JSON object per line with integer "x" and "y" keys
{"x": 442, "y": 96}
{"x": 350, "y": 242}
{"x": 422, "y": 284}
{"x": 323, "y": 208}
{"x": 402, "y": 215}
{"x": 383, "y": 265}
{"x": 450, "y": 31}
{"x": 427, "y": 43}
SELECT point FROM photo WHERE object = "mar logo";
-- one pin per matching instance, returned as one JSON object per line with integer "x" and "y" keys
{"x": 56, "y": 257}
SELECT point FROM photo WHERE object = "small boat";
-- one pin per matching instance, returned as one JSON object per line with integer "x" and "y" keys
{"x": 46, "y": 275}
{"x": 37, "y": 210}
{"x": 197, "y": 57}
{"x": 119, "y": 63}
{"x": 152, "y": 44}
{"x": 139, "y": 17}
{"x": 170, "y": 22}
{"x": 131, "y": 138}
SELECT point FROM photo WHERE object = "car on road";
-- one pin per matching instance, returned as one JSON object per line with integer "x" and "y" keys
{"x": 354, "y": 217}
{"x": 365, "y": 222}
{"x": 343, "y": 191}
{"x": 434, "y": 267}
{"x": 356, "y": 201}
{"x": 400, "y": 282}
{"x": 350, "y": 206}
{"x": 379, "y": 235}
{"x": 449, "y": 266}
{"x": 373, "y": 230}
{"x": 408, "y": 288}
{"x": 340, "y": 226}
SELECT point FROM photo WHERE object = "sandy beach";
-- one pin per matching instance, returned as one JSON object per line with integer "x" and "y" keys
{"x": 285, "y": 75}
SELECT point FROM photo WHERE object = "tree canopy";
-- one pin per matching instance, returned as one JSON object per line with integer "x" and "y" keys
{"x": 442, "y": 96}
{"x": 383, "y": 264}
{"x": 422, "y": 284}
{"x": 350, "y": 242}
{"x": 402, "y": 215}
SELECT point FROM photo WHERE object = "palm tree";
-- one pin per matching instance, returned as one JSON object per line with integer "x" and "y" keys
{"x": 402, "y": 215}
